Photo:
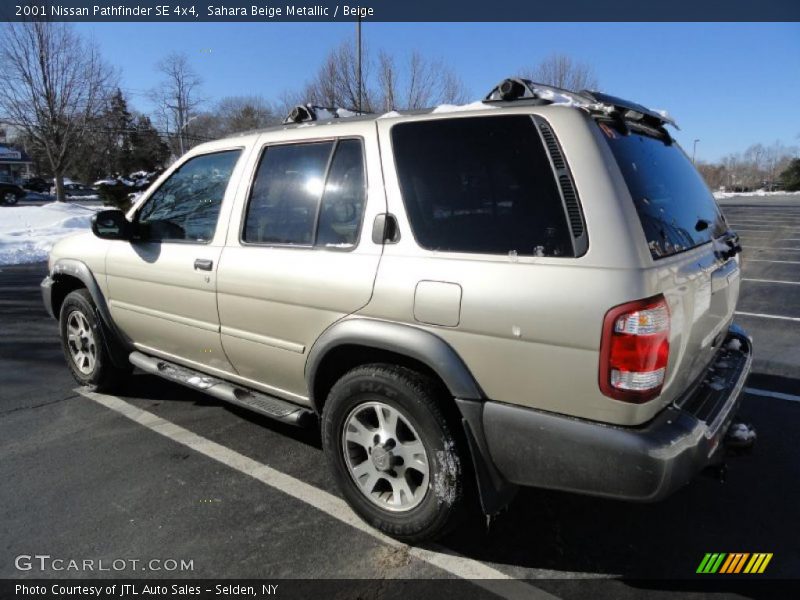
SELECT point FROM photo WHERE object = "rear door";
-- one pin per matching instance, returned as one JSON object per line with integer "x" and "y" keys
{"x": 688, "y": 241}
{"x": 299, "y": 254}
{"x": 162, "y": 285}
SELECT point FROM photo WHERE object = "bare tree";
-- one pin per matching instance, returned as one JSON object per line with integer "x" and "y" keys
{"x": 53, "y": 84}
{"x": 563, "y": 71}
{"x": 428, "y": 83}
{"x": 336, "y": 81}
{"x": 178, "y": 96}
{"x": 415, "y": 82}
{"x": 234, "y": 114}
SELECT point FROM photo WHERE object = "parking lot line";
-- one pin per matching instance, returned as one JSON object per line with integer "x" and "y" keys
{"x": 461, "y": 566}
{"x": 765, "y": 316}
{"x": 785, "y": 262}
{"x": 770, "y": 394}
{"x": 771, "y": 281}
{"x": 773, "y": 248}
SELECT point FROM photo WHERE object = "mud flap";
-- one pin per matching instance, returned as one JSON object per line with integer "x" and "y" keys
{"x": 494, "y": 491}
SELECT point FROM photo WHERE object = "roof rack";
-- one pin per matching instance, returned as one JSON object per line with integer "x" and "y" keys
{"x": 303, "y": 113}
{"x": 515, "y": 89}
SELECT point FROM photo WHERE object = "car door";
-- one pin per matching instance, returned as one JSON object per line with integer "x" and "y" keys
{"x": 162, "y": 284}
{"x": 296, "y": 260}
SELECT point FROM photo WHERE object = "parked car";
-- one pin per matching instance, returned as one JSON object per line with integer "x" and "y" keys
{"x": 492, "y": 294}
{"x": 10, "y": 193}
{"x": 36, "y": 184}
{"x": 79, "y": 190}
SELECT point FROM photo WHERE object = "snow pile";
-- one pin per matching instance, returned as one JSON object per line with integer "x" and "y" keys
{"x": 449, "y": 108}
{"x": 721, "y": 195}
{"x": 27, "y": 233}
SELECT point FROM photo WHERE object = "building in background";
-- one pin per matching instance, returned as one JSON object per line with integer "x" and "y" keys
{"x": 15, "y": 164}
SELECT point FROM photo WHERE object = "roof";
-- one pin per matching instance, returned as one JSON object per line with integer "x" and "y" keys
{"x": 509, "y": 93}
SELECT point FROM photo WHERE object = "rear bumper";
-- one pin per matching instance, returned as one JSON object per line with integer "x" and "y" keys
{"x": 646, "y": 463}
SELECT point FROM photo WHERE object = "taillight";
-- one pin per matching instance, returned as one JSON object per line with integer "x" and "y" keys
{"x": 634, "y": 350}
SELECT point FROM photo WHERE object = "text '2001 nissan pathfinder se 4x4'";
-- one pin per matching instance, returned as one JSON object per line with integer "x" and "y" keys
{"x": 534, "y": 290}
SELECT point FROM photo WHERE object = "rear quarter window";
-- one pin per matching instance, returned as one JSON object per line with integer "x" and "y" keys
{"x": 480, "y": 185}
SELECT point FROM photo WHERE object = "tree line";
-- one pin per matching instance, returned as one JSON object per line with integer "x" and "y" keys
{"x": 69, "y": 112}
{"x": 759, "y": 167}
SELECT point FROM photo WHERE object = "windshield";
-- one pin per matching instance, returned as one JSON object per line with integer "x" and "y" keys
{"x": 675, "y": 207}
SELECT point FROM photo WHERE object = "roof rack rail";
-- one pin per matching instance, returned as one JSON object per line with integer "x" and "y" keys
{"x": 303, "y": 113}
{"x": 516, "y": 89}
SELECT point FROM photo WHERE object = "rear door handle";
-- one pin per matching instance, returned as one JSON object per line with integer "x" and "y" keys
{"x": 203, "y": 264}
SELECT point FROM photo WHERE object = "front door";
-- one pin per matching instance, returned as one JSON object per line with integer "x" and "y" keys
{"x": 162, "y": 285}
{"x": 298, "y": 261}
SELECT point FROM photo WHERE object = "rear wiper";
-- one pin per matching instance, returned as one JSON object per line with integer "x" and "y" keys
{"x": 731, "y": 240}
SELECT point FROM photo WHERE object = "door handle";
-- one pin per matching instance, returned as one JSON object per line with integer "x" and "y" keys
{"x": 203, "y": 264}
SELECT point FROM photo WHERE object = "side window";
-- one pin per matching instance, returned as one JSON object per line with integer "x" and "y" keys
{"x": 480, "y": 184}
{"x": 186, "y": 206}
{"x": 344, "y": 197}
{"x": 286, "y": 193}
{"x": 304, "y": 196}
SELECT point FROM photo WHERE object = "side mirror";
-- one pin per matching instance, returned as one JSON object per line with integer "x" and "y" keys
{"x": 111, "y": 225}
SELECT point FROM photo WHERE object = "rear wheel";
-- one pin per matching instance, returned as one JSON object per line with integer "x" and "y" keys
{"x": 393, "y": 452}
{"x": 84, "y": 348}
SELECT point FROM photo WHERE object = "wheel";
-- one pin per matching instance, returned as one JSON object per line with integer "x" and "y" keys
{"x": 84, "y": 349}
{"x": 10, "y": 198}
{"x": 395, "y": 456}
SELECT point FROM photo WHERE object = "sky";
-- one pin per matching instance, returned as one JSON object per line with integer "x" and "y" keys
{"x": 729, "y": 85}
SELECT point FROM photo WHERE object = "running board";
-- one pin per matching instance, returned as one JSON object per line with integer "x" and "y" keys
{"x": 261, "y": 403}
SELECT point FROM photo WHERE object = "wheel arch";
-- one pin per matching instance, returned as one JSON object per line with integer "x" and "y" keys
{"x": 68, "y": 275}
{"x": 357, "y": 341}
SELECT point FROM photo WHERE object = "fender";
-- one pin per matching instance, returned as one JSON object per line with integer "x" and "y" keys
{"x": 410, "y": 341}
{"x": 119, "y": 347}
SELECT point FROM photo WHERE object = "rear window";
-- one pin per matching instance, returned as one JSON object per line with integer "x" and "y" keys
{"x": 480, "y": 185}
{"x": 675, "y": 207}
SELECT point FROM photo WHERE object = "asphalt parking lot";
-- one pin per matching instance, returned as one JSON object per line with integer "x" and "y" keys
{"x": 242, "y": 496}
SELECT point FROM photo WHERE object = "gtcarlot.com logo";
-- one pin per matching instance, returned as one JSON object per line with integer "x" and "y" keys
{"x": 734, "y": 562}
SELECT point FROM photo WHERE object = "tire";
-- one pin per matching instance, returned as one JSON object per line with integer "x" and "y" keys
{"x": 84, "y": 346}
{"x": 10, "y": 198}
{"x": 429, "y": 504}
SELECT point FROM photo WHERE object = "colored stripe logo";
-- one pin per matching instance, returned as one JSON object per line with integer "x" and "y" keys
{"x": 734, "y": 562}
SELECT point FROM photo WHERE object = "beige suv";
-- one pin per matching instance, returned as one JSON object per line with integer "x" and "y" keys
{"x": 536, "y": 289}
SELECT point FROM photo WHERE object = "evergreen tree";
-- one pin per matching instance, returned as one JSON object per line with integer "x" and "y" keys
{"x": 149, "y": 151}
{"x": 791, "y": 176}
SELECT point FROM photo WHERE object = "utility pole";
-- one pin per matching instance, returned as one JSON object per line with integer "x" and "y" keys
{"x": 358, "y": 60}
{"x": 694, "y": 150}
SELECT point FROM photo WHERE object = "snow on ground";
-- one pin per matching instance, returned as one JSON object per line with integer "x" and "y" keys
{"x": 27, "y": 233}
{"x": 720, "y": 195}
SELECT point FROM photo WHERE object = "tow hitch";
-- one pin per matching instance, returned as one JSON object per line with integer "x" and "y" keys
{"x": 740, "y": 436}
{"x": 739, "y": 439}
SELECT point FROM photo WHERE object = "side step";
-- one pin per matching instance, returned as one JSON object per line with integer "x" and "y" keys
{"x": 259, "y": 402}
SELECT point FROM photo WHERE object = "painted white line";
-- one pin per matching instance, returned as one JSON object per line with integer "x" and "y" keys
{"x": 455, "y": 564}
{"x": 771, "y": 281}
{"x": 769, "y": 248}
{"x": 769, "y": 394}
{"x": 765, "y": 316}
{"x": 783, "y": 262}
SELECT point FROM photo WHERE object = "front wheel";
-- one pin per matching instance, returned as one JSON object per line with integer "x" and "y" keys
{"x": 10, "y": 198}
{"x": 393, "y": 452}
{"x": 82, "y": 341}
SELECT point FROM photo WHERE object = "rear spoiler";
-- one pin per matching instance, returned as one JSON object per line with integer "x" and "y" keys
{"x": 516, "y": 89}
